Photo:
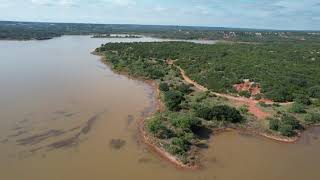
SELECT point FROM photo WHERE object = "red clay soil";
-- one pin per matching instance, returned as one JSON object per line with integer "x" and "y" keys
{"x": 188, "y": 80}
{"x": 248, "y": 86}
{"x": 255, "y": 110}
{"x": 251, "y": 103}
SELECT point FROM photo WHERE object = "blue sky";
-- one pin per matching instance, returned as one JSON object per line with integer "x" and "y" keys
{"x": 271, "y": 14}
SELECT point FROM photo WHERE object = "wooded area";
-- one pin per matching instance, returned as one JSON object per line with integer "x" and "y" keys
{"x": 285, "y": 71}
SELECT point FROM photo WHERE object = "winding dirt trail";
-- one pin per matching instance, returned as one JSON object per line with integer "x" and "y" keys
{"x": 251, "y": 103}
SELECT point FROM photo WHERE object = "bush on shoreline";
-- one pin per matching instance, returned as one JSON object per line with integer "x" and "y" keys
{"x": 164, "y": 87}
{"x": 158, "y": 129}
{"x": 313, "y": 118}
{"x": 286, "y": 130}
{"x": 173, "y": 100}
{"x": 286, "y": 125}
{"x": 274, "y": 124}
{"x": 219, "y": 113}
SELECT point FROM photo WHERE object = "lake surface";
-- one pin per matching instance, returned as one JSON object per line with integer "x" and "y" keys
{"x": 64, "y": 115}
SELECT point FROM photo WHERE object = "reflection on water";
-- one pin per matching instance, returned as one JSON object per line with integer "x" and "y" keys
{"x": 64, "y": 115}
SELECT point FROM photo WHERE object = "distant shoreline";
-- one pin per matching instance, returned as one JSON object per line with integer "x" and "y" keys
{"x": 125, "y": 36}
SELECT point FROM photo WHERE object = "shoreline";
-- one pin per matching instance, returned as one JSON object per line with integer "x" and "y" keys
{"x": 265, "y": 135}
{"x": 144, "y": 136}
{"x": 152, "y": 143}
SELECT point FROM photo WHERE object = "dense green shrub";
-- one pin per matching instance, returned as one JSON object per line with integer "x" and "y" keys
{"x": 174, "y": 149}
{"x": 287, "y": 69}
{"x": 180, "y": 145}
{"x": 290, "y": 120}
{"x": 158, "y": 129}
{"x": 185, "y": 122}
{"x": 279, "y": 94}
{"x": 314, "y": 92}
{"x": 297, "y": 108}
{"x": 226, "y": 113}
{"x": 164, "y": 86}
{"x": 258, "y": 96}
{"x": 201, "y": 96}
{"x": 286, "y": 126}
{"x": 246, "y": 94}
{"x": 181, "y": 142}
{"x": 302, "y": 99}
{"x": 184, "y": 88}
{"x": 316, "y": 102}
{"x": 244, "y": 109}
{"x": 286, "y": 130}
{"x": 204, "y": 112}
{"x": 274, "y": 124}
{"x": 173, "y": 99}
{"x": 219, "y": 113}
{"x": 313, "y": 118}
{"x": 155, "y": 73}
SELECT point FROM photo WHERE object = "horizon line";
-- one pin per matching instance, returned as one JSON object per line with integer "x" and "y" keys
{"x": 168, "y": 25}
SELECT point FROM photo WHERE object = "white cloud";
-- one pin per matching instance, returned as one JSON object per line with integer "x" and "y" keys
{"x": 160, "y": 9}
{"x": 316, "y": 18}
{"x": 54, "y": 2}
{"x": 5, "y": 3}
{"x": 279, "y": 14}
{"x": 125, "y": 3}
{"x": 203, "y": 9}
{"x": 42, "y": 2}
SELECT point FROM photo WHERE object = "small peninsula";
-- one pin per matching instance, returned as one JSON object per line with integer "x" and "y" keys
{"x": 266, "y": 89}
{"x": 116, "y": 36}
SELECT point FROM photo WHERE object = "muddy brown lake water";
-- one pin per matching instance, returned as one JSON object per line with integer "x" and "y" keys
{"x": 66, "y": 116}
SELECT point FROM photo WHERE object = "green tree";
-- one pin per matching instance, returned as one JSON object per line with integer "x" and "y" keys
{"x": 302, "y": 99}
{"x": 297, "y": 108}
{"x": 180, "y": 145}
{"x": 226, "y": 113}
{"x": 246, "y": 94}
{"x": 185, "y": 122}
{"x": 164, "y": 86}
{"x": 173, "y": 100}
{"x": 274, "y": 124}
{"x": 158, "y": 129}
{"x": 203, "y": 112}
{"x": 279, "y": 94}
{"x": 290, "y": 120}
{"x": 184, "y": 88}
{"x": 313, "y": 118}
{"x": 286, "y": 130}
{"x": 314, "y": 92}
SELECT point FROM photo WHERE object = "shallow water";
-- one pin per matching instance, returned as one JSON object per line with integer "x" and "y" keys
{"x": 64, "y": 115}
